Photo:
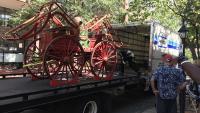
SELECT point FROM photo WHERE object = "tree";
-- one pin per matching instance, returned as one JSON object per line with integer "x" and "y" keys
{"x": 86, "y": 8}
{"x": 26, "y": 12}
{"x": 170, "y": 13}
{"x": 153, "y": 10}
{"x": 167, "y": 12}
{"x": 189, "y": 11}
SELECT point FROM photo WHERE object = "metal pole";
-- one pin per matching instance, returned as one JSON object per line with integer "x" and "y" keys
{"x": 182, "y": 96}
{"x": 182, "y": 93}
{"x": 183, "y": 40}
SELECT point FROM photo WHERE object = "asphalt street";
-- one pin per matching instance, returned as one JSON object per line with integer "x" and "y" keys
{"x": 134, "y": 102}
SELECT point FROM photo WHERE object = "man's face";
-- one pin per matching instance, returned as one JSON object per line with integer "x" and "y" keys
{"x": 167, "y": 59}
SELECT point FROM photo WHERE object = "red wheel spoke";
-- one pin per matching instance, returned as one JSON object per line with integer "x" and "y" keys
{"x": 97, "y": 58}
{"x": 56, "y": 70}
{"x": 97, "y": 63}
{"x": 61, "y": 74}
{"x": 32, "y": 51}
{"x": 72, "y": 70}
{"x": 68, "y": 48}
{"x": 63, "y": 70}
{"x": 38, "y": 49}
{"x": 52, "y": 68}
{"x": 52, "y": 48}
{"x": 77, "y": 65}
{"x": 53, "y": 56}
{"x": 111, "y": 61}
{"x": 110, "y": 52}
{"x": 111, "y": 57}
{"x": 99, "y": 70}
{"x": 66, "y": 72}
{"x": 72, "y": 49}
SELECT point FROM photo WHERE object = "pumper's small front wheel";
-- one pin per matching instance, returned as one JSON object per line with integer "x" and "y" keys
{"x": 104, "y": 59}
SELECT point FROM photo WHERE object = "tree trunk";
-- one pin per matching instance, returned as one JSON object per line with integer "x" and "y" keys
{"x": 126, "y": 6}
{"x": 197, "y": 42}
{"x": 192, "y": 49}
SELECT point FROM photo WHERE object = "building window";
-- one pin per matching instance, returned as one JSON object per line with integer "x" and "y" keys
{"x": 4, "y": 16}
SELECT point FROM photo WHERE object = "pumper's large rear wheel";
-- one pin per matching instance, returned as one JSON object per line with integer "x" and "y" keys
{"x": 33, "y": 59}
{"x": 104, "y": 59}
{"x": 63, "y": 60}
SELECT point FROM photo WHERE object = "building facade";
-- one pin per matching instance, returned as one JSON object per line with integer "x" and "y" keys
{"x": 11, "y": 52}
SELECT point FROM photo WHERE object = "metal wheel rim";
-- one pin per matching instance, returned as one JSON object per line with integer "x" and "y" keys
{"x": 90, "y": 107}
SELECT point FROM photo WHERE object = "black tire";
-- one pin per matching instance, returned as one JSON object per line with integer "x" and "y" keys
{"x": 88, "y": 104}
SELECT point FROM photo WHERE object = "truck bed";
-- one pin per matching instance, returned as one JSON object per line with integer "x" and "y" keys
{"x": 22, "y": 93}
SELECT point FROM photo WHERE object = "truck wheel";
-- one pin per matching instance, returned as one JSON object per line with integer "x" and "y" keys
{"x": 88, "y": 105}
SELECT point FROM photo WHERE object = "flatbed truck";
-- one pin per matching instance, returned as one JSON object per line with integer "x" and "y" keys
{"x": 21, "y": 93}
{"x": 146, "y": 41}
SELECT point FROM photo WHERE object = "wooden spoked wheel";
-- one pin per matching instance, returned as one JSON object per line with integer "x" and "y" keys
{"x": 104, "y": 60}
{"x": 64, "y": 60}
{"x": 33, "y": 59}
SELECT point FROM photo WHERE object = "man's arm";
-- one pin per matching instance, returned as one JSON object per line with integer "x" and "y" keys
{"x": 192, "y": 70}
{"x": 182, "y": 86}
{"x": 153, "y": 86}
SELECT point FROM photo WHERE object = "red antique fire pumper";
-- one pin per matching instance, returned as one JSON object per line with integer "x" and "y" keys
{"x": 56, "y": 50}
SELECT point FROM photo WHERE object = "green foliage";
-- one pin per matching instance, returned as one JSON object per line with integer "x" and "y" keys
{"x": 86, "y": 8}
{"x": 189, "y": 11}
{"x": 90, "y": 8}
{"x": 167, "y": 12}
{"x": 139, "y": 10}
{"x": 26, "y": 13}
{"x": 188, "y": 54}
{"x": 153, "y": 10}
{"x": 165, "y": 15}
{"x": 1, "y": 22}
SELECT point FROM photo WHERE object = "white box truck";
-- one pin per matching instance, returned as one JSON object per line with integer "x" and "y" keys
{"x": 148, "y": 42}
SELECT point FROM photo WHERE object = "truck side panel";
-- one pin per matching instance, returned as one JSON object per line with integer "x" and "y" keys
{"x": 163, "y": 41}
{"x": 135, "y": 39}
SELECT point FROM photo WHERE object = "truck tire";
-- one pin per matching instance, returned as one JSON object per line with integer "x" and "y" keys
{"x": 89, "y": 104}
{"x": 90, "y": 107}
